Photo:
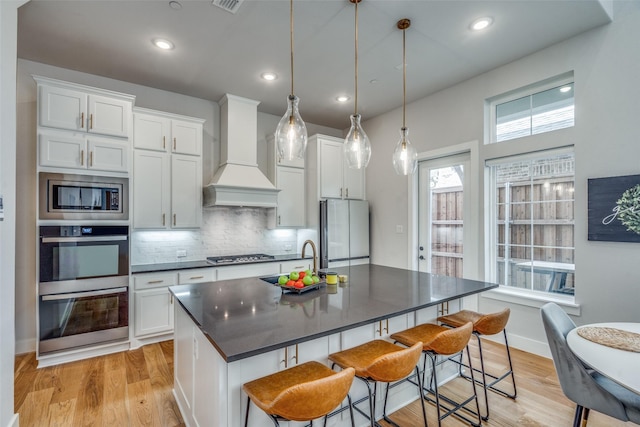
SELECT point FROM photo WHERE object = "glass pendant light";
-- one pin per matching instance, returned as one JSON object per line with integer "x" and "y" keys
{"x": 291, "y": 133}
{"x": 357, "y": 148}
{"x": 405, "y": 157}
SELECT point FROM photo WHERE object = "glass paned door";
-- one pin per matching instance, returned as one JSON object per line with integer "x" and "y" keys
{"x": 441, "y": 222}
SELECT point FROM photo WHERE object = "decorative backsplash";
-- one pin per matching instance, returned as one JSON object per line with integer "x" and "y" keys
{"x": 225, "y": 231}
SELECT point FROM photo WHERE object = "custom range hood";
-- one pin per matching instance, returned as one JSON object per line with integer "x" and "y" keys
{"x": 238, "y": 181}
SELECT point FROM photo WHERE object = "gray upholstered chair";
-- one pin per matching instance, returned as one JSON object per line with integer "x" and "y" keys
{"x": 587, "y": 388}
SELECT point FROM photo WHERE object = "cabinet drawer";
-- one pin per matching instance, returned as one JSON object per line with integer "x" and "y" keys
{"x": 196, "y": 275}
{"x": 154, "y": 280}
{"x": 297, "y": 265}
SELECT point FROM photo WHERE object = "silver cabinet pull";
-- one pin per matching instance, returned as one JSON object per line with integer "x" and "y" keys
{"x": 163, "y": 218}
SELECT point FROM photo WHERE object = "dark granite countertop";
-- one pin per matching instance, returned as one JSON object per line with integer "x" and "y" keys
{"x": 184, "y": 265}
{"x": 245, "y": 317}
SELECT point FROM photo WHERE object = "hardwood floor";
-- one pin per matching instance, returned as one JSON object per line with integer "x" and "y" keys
{"x": 133, "y": 388}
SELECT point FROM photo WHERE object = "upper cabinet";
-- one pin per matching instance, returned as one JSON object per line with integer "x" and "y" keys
{"x": 166, "y": 132}
{"x": 288, "y": 176}
{"x": 167, "y": 170}
{"x": 69, "y": 106}
{"x": 330, "y": 173}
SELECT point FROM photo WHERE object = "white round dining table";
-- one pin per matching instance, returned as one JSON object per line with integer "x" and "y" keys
{"x": 621, "y": 366}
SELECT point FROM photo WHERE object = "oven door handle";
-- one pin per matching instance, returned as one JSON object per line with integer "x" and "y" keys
{"x": 83, "y": 239}
{"x": 83, "y": 294}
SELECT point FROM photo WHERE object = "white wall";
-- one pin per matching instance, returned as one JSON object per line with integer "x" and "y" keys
{"x": 8, "y": 42}
{"x": 606, "y": 63}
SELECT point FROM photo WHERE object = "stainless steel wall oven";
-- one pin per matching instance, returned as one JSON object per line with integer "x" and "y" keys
{"x": 83, "y": 286}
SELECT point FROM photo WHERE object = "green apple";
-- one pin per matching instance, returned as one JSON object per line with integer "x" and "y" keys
{"x": 315, "y": 279}
{"x": 294, "y": 275}
{"x": 307, "y": 280}
{"x": 308, "y": 272}
{"x": 282, "y": 280}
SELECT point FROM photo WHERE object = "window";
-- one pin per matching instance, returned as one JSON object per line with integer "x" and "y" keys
{"x": 544, "y": 107}
{"x": 532, "y": 216}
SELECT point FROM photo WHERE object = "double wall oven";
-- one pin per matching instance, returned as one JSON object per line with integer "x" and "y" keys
{"x": 83, "y": 291}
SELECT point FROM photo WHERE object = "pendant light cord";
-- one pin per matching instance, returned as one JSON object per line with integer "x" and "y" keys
{"x": 404, "y": 77}
{"x": 356, "y": 57}
{"x": 291, "y": 39}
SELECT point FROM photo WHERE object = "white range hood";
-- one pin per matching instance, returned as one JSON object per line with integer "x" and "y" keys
{"x": 238, "y": 181}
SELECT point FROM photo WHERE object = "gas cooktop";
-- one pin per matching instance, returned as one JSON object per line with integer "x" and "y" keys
{"x": 239, "y": 259}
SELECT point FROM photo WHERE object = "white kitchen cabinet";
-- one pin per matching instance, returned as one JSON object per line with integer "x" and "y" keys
{"x": 199, "y": 372}
{"x": 328, "y": 176}
{"x": 151, "y": 190}
{"x": 74, "y": 107}
{"x": 196, "y": 275}
{"x": 186, "y": 191}
{"x": 230, "y": 272}
{"x": 160, "y": 131}
{"x": 167, "y": 190}
{"x": 287, "y": 267}
{"x": 153, "y": 304}
{"x": 78, "y": 151}
{"x": 290, "y": 211}
{"x": 167, "y": 171}
{"x": 289, "y": 177}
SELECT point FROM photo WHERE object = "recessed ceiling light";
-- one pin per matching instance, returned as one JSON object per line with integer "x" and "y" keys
{"x": 481, "y": 23}
{"x": 373, "y": 81}
{"x": 162, "y": 44}
{"x": 342, "y": 98}
{"x": 565, "y": 89}
{"x": 269, "y": 76}
{"x": 175, "y": 5}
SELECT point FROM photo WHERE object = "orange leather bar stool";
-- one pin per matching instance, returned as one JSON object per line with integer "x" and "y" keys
{"x": 380, "y": 361}
{"x": 485, "y": 324}
{"x": 303, "y": 393}
{"x": 439, "y": 340}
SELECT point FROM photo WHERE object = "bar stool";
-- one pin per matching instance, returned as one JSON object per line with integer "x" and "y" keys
{"x": 485, "y": 324}
{"x": 380, "y": 361}
{"x": 439, "y": 340}
{"x": 302, "y": 393}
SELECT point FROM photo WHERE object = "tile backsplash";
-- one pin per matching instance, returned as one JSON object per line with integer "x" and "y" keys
{"x": 225, "y": 231}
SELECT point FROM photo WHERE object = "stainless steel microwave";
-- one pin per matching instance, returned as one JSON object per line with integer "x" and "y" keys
{"x": 79, "y": 197}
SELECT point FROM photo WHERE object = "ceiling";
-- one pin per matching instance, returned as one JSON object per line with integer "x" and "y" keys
{"x": 218, "y": 52}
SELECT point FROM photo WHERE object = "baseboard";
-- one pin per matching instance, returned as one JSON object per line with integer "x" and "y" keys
{"x": 14, "y": 421}
{"x": 26, "y": 346}
{"x": 539, "y": 348}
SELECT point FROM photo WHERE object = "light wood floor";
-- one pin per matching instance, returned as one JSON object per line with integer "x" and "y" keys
{"x": 133, "y": 388}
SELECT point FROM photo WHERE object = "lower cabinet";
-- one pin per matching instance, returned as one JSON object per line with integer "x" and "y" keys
{"x": 153, "y": 304}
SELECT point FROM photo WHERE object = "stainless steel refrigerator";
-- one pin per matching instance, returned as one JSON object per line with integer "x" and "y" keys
{"x": 344, "y": 232}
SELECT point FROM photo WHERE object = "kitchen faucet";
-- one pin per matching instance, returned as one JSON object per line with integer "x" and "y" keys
{"x": 315, "y": 255}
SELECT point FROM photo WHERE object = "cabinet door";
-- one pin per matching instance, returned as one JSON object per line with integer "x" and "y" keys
{"x": 63, "y": 150}
{"x": 186, "y": 191}
{"x": 154, "y": 280}
{"x": 108, "y": 155}
{"x": 62, "y": 108}
{"x": 151, "y": 132}
{"x": 186, "y": 137}
{"x": 150, "y": 190}
{"x": 183, "y": 360}
{"x": 154, "y": 311}
{"x": 353, "y": 183}
{"x": 291, "y": 202}
{"x": 108, "y": 116}
{"x": 330, "y": 169}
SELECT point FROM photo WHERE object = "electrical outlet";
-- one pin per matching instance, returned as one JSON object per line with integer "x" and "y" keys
{"x": 181, "y": 253}
{"x": 399, "y": 229}
{"x": 287, "y": 247}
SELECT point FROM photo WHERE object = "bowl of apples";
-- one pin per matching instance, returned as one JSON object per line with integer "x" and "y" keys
{"x": 299, "y": 281}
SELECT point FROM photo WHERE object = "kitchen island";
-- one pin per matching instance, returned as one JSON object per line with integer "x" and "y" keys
{"x": 230, "y": 332}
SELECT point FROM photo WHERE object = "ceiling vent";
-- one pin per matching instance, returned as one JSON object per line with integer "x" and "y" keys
{"x": 228, "y": 5}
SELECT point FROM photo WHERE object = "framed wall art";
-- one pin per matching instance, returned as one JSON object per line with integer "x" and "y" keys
{"x": 614, "y": 208}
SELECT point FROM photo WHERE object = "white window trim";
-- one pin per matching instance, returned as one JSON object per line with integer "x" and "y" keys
{"x": 491, "y": 103}
{"x": 511, "y": 294}
{"x": 532, "y": 298}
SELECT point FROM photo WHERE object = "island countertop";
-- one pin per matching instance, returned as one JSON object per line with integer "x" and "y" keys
{"x": 246, "y": 317}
